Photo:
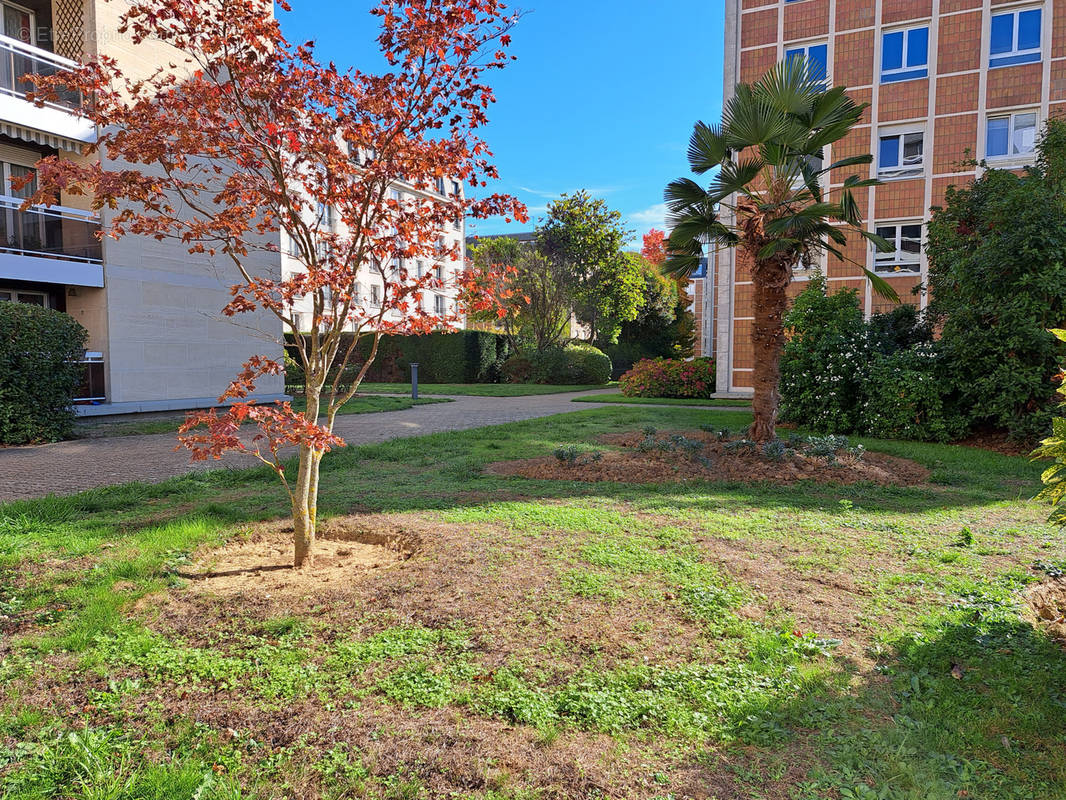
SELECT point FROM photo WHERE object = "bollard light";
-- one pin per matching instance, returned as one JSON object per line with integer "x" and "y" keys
{"x": 414, "y": 381}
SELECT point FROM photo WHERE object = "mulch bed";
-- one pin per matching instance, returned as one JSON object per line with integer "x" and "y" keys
{"x": 630, "y": 465}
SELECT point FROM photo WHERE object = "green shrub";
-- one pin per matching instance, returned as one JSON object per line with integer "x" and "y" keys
{"x": 997, "y": 253}
{"x": 1054, "y": 447}
{"x": 670, "y": 377}
{"x": 882, "y": 377}
{"x": 905, "y": 399}
{"x": 824, "y": 361}
{"x": 39, "y": 372}
{"x": 578, "y": 363}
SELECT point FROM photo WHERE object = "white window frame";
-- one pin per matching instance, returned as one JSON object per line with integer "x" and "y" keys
{"x": 882, "y": 73}
{"x": 440, "y": 306}
{"x": 903, "y": 171}
{"x": 1014, "y": 51}
{"x": 892, "y": 263}
{"x": 375, "y": 296}
{"x": 33, "y": 21}
{"x": 806, "y": 48}
{"x": 18, "y": 294}
{"x": 1008, "y": 157}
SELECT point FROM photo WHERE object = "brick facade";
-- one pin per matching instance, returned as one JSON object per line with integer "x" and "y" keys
{"x": 949, "y": 107}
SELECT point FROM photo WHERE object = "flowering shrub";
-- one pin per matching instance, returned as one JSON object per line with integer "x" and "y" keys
{"x": 841, "y": 374}
{"x": 669, "y": 377}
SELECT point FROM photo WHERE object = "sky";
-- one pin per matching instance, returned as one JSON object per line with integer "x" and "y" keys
{"x": 603, "y": 95}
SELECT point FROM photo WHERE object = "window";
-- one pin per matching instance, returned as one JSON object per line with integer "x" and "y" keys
{"x": 1010, "y": 135}
{"x": 326, "y": 214}
{"x": 375, "y": 296}
{"x": 901, "y": 155}
{"x": 439, "y": 183}
{"x": 1015, "y": 38}
{"x": 456, "y": 189}
{"x": 395, "y": 196}
{"x": 439, "y": 306}
{"x": 904, "y": 54}
{"x": 19, "y": 23}
{"x": 29, "y": 298}
{"x": 816, "y": 56}
{"x": 457, "y": 223}
{"x": 420, "y": 269}
{"x": 438, "y": 272}
{"x": 907, "y": 237}
{"x": 395, "y": 266}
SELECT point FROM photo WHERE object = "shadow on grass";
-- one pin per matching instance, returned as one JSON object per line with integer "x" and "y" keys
{"x": 996, "y": 728}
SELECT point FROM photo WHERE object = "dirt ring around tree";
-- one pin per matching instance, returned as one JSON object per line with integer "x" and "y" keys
{"x": 626, "y": 463}
{"x": 260, "y": 560}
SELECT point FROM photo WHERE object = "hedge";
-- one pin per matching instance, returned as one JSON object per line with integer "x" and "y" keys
{"x": 442, "y": 357}
{"x": 576, "y": 364}
{"x": 40, "y": 351}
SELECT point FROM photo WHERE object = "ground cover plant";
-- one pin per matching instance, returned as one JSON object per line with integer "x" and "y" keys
{"x": 543, "y": 638}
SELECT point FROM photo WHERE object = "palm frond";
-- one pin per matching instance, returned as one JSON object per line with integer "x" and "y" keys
{"x": 707, "y": 148}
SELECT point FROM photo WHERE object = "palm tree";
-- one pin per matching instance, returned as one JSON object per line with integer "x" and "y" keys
{"x": 768, "y": 157}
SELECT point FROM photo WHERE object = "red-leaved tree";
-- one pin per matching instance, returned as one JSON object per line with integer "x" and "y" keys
{"x": 654, "y": 249}
{"x": 246, "y": 141}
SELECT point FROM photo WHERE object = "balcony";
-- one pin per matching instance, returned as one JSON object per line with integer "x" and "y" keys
{"x": 50, "y": 245}
{"x": 18, "y": 61}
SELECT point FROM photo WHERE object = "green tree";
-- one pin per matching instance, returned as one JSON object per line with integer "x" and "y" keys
{"x": 768, "y": 157}
{"x": 583, "y": 239}
{"x": 997, "y": 257}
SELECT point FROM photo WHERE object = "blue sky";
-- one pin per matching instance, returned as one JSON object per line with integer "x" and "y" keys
{"x": 602, "y": 97}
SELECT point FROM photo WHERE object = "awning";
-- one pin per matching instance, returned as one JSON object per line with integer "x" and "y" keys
{"x": 40, "y": 137}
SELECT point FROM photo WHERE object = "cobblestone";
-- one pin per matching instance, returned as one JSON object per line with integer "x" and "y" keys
{"x": 69, "y": 467}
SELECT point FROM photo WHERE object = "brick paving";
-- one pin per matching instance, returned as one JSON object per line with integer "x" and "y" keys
{"x": 69, "y": 467}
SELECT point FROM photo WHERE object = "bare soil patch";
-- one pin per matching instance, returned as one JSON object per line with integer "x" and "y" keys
{"x": 1047, "y": 600}
{"x": 260, "y": 562}
{"x": 719, "y": 463}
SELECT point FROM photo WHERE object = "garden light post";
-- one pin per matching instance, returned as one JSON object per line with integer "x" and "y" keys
{"x": 414, "y": 381}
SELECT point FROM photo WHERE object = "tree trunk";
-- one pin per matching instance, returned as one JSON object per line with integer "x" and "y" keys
{"x": 767, "y": 338}
{"x": 305, "y": 494}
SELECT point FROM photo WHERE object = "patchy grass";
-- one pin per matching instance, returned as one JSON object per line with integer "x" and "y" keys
{"x": 96, "y": 428}
{"x": 708, "y": 402}
{"x": 478, "y": 389}
{"x": 549, "y": 639}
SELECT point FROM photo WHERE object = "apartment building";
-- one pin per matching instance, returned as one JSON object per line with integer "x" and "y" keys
{"x": 370, "y": 286}
{"x": 157, "y": 340}
{"x": 947, "y": 82}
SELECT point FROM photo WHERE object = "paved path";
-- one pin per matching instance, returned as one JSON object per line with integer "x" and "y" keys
{"x": 69, "y": 467}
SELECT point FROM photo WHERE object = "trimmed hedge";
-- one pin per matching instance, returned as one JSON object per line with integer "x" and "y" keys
{"x": 39, "y": 372}
{"x": 670, "y": 377}
{"x": 442, "y": 357}
{"x": 578, "y": 363}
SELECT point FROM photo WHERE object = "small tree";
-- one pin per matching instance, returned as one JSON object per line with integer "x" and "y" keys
{"x": 248, "y": 137}
{"x": 768, "y": 157}
{"x": 583, "y": 238}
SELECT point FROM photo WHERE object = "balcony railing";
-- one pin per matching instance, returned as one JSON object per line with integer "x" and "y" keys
{"x": 19, "y": 60}
{"x": 56, "y": 232}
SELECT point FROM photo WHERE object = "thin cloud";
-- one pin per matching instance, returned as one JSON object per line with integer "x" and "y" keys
{"x": 653, "y": 216}
{"x": 596, "y": 191}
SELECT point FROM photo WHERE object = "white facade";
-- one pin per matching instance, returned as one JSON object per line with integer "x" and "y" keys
{"x": 371, "y": 286}
{"x": 157, "y": 337}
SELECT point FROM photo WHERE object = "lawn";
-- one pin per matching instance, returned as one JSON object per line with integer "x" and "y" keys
{"x": 478, "y": 389}
{"x": 95, "y": 428}
{"x": 547, "y": 639}
{"x": 618, "y": 397}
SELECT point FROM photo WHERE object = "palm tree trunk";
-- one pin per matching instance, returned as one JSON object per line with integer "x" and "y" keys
{"x": 768, "y": 339}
